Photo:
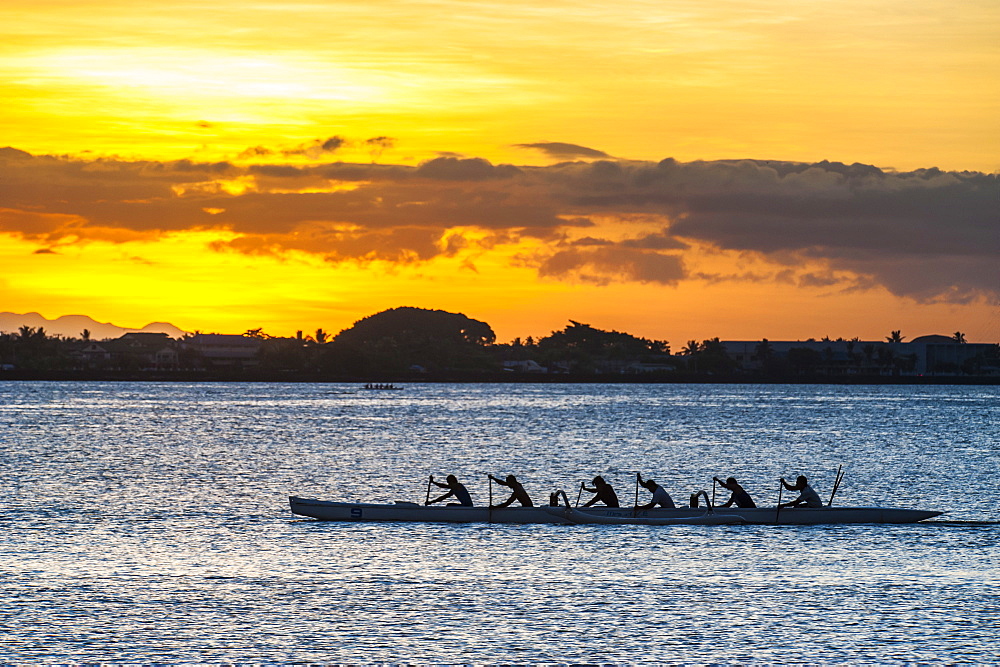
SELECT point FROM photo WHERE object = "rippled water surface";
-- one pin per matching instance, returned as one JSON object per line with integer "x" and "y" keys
{"x": 149, "y": 522}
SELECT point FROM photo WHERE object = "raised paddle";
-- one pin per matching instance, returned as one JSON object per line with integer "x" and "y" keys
{"x": 635, "y": 507}
{"x": 836, "y": 484}
{"x": 578, "y": 495}
{"x": 427, "y": 500}
{"x": 490, "y": 478}
{"x": 777, "y": 510}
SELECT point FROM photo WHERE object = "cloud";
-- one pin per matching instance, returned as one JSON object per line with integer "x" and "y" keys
{"x": 605, "y": 264}
{"x": 378, "y": 145}
{"x": 457, "y": 169}
{"x": 315, "y": 149}
{"x": 927, "y": 234}
{"x": 660, "y": 241}
{"x": 564, "y": 151}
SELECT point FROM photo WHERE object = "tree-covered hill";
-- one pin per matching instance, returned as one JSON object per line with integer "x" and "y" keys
{"x": 408, "y": 339}
{"x": 417, "y": 324}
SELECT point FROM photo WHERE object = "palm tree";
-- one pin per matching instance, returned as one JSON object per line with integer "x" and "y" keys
{"x": 85, "y": 334}
{"x": 958, "y": 337}
{"x": 321, "y": 336}
{"x": 895, "y": 337}
{"x": 692, "y": 348}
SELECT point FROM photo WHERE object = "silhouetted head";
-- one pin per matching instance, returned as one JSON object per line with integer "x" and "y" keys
{"x": 451, "y": 479}
{"x": 511, "y": 479}
{"x": 801, "y": 482}
{"x": 649, "y": 484}
{"x": 730, "y": 481}
{"x": 598, "y": 481}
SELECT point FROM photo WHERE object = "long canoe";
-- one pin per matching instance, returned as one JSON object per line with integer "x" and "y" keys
{"x": 412, "y": 512}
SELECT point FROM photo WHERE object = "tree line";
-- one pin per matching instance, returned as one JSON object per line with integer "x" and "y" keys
{"x": 414, "y": 342}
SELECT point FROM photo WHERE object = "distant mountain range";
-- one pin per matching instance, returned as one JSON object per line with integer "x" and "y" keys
{"x": 72, "y": 326}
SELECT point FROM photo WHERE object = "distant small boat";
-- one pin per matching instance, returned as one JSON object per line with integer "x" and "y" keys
{"x": 381, "y": 387}
{"x": 412, "y": 512}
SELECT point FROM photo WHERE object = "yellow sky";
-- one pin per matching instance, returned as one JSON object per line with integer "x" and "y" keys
{"x": 900, "y": 85}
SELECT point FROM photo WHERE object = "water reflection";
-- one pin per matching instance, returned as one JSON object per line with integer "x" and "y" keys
{"x": 149, "y": 523}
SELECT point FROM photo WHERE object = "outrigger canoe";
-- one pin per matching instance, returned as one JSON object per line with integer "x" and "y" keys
{"x": 412, "y": 512}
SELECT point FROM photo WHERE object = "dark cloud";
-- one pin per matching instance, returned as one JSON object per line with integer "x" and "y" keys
{"x": 255, "y": 151}
{"x": 317, "y": 148}
{"x": 563, "y": 151}
{"x": 13, "y": 154}
{"x": 927, "y": 234}
{"x": 378, "y": 145}
{"x": 472, "y": 169}
{"x": 661, "y": 241}
{"x": 332, "y": 144}
{"x": 604, "y": 264}
{"x": 591, "y": 241}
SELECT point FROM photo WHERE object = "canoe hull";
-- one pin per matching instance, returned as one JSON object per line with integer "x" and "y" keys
{"x": 412, "y": 512}
{"x": 705, "y": 518}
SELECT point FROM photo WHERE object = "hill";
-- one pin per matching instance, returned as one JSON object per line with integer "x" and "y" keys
{"x": 72, "y": 326}
{"x": 417, "y": 324}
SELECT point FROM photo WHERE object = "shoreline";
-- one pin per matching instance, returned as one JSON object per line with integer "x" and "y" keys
{"x": 482, "y": 378}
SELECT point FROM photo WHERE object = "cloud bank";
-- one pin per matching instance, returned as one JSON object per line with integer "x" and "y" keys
{"x": 564, "y": 151}
{"x": 927, "y": 234}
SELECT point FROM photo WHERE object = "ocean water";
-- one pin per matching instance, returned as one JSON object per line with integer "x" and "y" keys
{"x": 147, "y": 522}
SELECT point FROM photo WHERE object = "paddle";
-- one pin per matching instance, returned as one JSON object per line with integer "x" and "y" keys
{"x": 427, "y": 500}
{"x": 578, "y": 495}
{"x": 635, "y": 507}
{"x": 836, "y": 484}
{"x": 777, "y": 510}
{"x": 489, "y": 507}
{"x": 713, "y": 491}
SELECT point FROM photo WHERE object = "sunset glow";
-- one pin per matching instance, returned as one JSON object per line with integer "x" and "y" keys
{"x": 227, "y": 166}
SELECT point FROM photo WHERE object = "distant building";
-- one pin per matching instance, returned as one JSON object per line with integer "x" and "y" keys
{"x": 925, "y": 355}
{"x": 524, "y": 366}
{"x": 138, "y": 351}
{"x": 225, "y": 350}
{"x": 943, "y": 355}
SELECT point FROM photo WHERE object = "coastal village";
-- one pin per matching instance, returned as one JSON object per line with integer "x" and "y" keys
{"x": 414, "y": 344}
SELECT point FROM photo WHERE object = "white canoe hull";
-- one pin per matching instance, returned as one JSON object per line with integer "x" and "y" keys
{"x": 412, "y": 512}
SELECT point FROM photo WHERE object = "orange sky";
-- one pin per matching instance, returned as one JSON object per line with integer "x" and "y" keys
{"x": 225, "y": 165}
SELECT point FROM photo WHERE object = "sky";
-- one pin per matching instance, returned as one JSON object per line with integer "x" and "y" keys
{"x": 676, "y": 170}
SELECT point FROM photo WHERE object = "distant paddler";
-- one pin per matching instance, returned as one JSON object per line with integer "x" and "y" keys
{"x": 739, "y": 495}
{"x": 455, "y": 488}
{"x": 807, "y": 496}
{"x": 660, "y": 495}
{"x": 517, "y": 492}
{"x": 603, "y": 492}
